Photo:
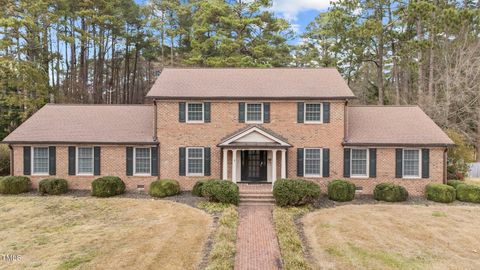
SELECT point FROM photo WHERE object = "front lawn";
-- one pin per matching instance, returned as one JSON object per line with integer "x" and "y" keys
{"x": 91, "y": 233}
{"x": 394, "y": 237}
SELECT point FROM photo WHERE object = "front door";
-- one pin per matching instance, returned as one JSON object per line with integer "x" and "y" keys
{"x": 254, "y": 165}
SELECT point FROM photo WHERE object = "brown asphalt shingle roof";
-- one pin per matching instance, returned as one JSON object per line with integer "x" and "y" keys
{"x": 392, "y": 125}
{"x": 87, "y": 124}
{"x": 250, "y": 83}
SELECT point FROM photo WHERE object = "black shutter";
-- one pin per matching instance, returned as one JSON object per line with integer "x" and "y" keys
{"x": 181, "y": 112}
{"x": 96, "y": 160}
{"x": 129, "y": 167}
{"x": 266, "y": 112}
{"x": 27, "y": 160}
{"x": 52, "y": 160}
{"x": 326, "y": 162}
{"x": 425, "y": 163}
{"x": 71, "y": 160}
{"x": 346, "y": 162}
{"x": 182, "y": 161}
{"x": 300, "y": 112}
{"x": 154, "y": 160}
{"x": 398, "y": 163}
{"x": 241, "y": 112}
{"x": 206, "y": 112}
{"x": 206, "y": 161}
{"x": 326, "y": 112}
{"x": 372, "y": 170}
{"x": 300, "y": 162}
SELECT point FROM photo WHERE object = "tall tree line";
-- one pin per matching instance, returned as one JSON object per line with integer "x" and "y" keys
{"x": 422, "y": 52}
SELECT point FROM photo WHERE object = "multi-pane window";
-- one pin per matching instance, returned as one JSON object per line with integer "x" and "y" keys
{"x": 195, "y": 161}
{"x": 195, "y": 112}
{"x": 142, "y": 161}
{"x": 312, "y": 160}
{"x": 313, "y": 112}
{"x": 411, "y": 163}
{"x": 40, "y": 160}
{"x": 359, "y": 162}
{"x": 254, "y": 112}
{"x": 85, "y": 160}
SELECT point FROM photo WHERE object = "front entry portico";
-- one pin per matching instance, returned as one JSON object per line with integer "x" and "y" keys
{"x": 254, "y": 155}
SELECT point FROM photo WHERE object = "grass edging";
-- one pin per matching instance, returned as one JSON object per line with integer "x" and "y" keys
{"x": 224, "y": 249}
{"x": 293, "y": 254}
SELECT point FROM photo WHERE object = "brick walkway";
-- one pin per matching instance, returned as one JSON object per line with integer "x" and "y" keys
{"x": 257, "y": 245}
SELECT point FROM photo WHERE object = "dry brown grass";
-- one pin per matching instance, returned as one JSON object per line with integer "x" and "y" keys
{"x": 395, "y": 237}
{"x": 90, "y": 233}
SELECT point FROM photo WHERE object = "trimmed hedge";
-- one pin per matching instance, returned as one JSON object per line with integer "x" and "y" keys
{"x": 14, "y": 184}
{"x": 455, "y": 183}
{"x": 197, "y": 188}
{"x": 107, "y": 186}
{"x": 221, "y": 191}
{"x": 468, "y": 193}
{"x": 341, "y": 190}
{"x": 53, "y": 186}
{"x": 295, "y": 192}
{"x": 164, "y": 187}
{"x": 390, "y": 192}
{"x": 440, "y": 193}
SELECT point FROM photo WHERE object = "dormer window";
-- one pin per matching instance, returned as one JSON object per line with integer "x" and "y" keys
{"x": 254, "y": 113}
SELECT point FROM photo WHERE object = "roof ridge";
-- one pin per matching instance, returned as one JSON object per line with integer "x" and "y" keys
{"x": 93, "y": 105}
{"x": 237, "y": 68}
{"x": 385, "y": 106}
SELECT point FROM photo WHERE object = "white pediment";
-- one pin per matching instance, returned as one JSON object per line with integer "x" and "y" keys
{"x": 254, "y": 135}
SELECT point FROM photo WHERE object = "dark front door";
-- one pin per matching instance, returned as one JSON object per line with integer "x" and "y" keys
{"x": 254, "y": 165}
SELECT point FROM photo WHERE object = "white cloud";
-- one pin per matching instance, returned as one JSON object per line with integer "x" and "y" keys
{"x": 289, "y": 9}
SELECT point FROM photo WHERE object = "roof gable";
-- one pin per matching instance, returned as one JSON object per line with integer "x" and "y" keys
{"x": 254, "y": 135}
{"x": 250, "y": 83}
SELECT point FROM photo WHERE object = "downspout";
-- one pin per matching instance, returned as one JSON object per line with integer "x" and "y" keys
{"x": 345, "y": 121}
{"x": 445, "y": 158}
{"x": 11, "y": 159}
{"x": 155, "y": 134}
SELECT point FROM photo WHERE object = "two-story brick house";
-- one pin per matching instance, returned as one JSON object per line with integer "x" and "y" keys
{"x": 241, "y": 125}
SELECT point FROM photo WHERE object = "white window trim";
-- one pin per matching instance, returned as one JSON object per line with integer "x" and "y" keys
{"x": 135, "y": 162}
{"x": 304, "y": 163}
{"x": 261, "y": 113}
{"x": 368, "y": 163}
{"x": 76, "y": 161}
{"x": 203, "y": 113}
{"x": 305, "y": 113}
{"x": 32, "y": 161}
{"x": 419, "y": 176}
{"x": 203, "y": 162}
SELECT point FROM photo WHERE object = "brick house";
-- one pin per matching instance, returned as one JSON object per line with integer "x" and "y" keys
{"x": 241, "y": 125}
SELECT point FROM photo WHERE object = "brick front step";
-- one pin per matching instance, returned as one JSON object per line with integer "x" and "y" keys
{"x": 268, "y": 200}
{"x": 256, "y": 204}
{"x": 256, "y": 195}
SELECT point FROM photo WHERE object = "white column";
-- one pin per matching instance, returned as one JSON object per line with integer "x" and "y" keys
{"x": 284, "y": 164}
{"x": 234, "y": 166}
{"x": 225, "y": 164}
{"x": 274, "y": 166}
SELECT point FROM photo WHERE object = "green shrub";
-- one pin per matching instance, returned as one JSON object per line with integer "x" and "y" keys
{"x": 390, "y": 192}
{"x": 107, "y": 186}
{"x": 164, "y": 187}
{"x": 440, "y": 193}
{"x": 468, "y": 193}
{"x": 197, "y": 188}
{"x": 221, "y": 191}
{"x": 53, "y": 186}
{"x": 4, "y": 159}
{"x": 14, "y": 184}
{"x": 341, "y": 190}
{"x": 455, "y": 183}
{"x": 295, "y": 192}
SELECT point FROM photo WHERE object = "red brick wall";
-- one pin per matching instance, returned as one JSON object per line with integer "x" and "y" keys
{"x": 283, "y": 121}
{"x": 112, "y": 162}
